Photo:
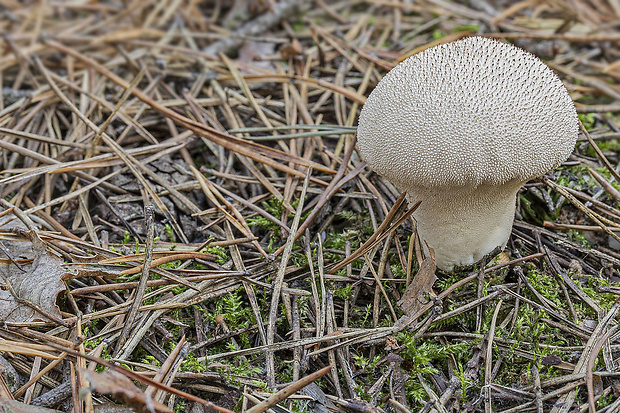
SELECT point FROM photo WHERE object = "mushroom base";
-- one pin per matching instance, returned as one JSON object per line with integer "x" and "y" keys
{"x": 462, "y": 225}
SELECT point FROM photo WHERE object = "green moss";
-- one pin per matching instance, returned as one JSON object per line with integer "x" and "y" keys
{"x": 578, "y": 238}
{"x": 232, "y": 369}
{"x": 361, "y": 318}
{"x": 172, "y": 264}
{"x": 611, "y": 145}
{"x": 220, "y": 252}
{"x": 466, "y": 28}
{"x": 192, "y": 364}
{"x": 232, "y": 308}
{"x": 592, "y": 288}
{"x": 588, "y": 120}
{"x": 150, "y": 360}
{"x": 420, "y": 357}
{"x": 437, "y": 34}
{"x": 547, "y": 286}
{"x": 345, "y": 292}
{"x": 126, "y": 237}
{"x": 169, "y": 232}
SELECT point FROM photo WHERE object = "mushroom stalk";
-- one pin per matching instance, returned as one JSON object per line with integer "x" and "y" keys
{"x": 462, "y": 225}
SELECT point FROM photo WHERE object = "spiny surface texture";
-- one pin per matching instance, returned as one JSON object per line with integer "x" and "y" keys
{"x": 471, "y": 112}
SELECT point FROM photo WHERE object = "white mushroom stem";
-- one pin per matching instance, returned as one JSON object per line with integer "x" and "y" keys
{"x": 463, "y": 224}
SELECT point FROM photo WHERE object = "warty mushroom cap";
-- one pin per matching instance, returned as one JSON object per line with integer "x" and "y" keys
{"x": 466, "y": 115}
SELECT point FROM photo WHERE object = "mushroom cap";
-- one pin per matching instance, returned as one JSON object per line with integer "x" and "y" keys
{"x": 466, "y": 113}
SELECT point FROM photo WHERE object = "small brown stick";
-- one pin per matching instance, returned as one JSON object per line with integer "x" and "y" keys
{"x": 473, "y": 304}
{"x": 598, "y": 109}
{"x": 141, "y": 378}
{"x": 24, "y": 218}
{"x": 313, "y": 286}
{"x": 569, "y": 37}
{"x": 600, "y": 153}
{"x": 254, "y": 151}
{"x": 288, "y": 390}
{"x": 151, "y": 283}
{"x": 165, "y": 368}
{"x": 77, "y": 404}
{"x": 158, "y": 255}
{"x": 592, "y": 215}
{"x": 615, "y": 194}
{"x": 19, "y": 392}
{"x": 379, "y": 287}
{"x": 516, "y": 261}
{"x": 590, "y": 367}
{"x": 399, "y": 406}
{"x": 319, "y": 83}
{"x": 479, "y": 291}
{"x": 320, "y": 264}
{"x": 566, "y": 227}
{"x": 169, "y": 258}
{"x": 296, "y": 327}
{"x": 331, "y": 354}
{"x": 537, "y": 388}
{"x": 582, "y": 365}
{"x": 277, "y": 283}
{"x": 383, "y": 231}
{"x": 336, "y": 183}
{"x": 353, "y": 337}
{"x": 36, "y": 366}
{"x": 149, "y": 212}
{"x": 488, "y": 365}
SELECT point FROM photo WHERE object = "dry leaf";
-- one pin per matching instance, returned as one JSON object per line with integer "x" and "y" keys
{"x": 122, "y": 388}
{"x": 415, "y": 295}
{"x": 501, "y": 258}
{"x": 38, "y": 282}
{"x": 291, "y": 49}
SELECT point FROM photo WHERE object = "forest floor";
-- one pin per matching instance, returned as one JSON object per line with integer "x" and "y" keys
{"x": 186, "y": 223}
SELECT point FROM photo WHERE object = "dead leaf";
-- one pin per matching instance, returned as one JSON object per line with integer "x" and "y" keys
{"x": 551, "y": 360}
{"x": 501, "y": 258}
{"x": 597, "y": 384}
{"x": 415, "y": 296}
{"x": 291, "y": 49}
{"x": 38, "y": 282}
{"x": 122, "y": 388}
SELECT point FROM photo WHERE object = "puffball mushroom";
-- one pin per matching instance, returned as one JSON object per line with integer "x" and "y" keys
{"x": 461, "y": 127}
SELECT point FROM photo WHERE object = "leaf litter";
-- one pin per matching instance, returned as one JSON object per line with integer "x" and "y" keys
{"x": 32, "y": 278}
